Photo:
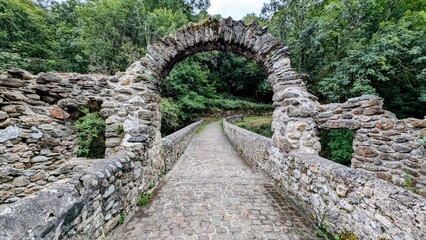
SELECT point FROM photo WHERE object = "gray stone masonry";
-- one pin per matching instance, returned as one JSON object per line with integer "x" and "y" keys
{"x": 175, "y": 144}
{"x": 254, "y": 148}
{"x": 88, "y": 205}
{"x": 37, "y": 134}
{"x": 349, "y": 200}
{"x": 394, "y": 149}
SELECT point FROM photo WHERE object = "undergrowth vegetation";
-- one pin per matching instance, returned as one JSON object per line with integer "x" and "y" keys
{"x": 145, "y": 199}
{"x": 336, "y": 145}
{"x": 213, "y": 84}
{"x": 258, "y": 124}
{"x": 91, "y": 134}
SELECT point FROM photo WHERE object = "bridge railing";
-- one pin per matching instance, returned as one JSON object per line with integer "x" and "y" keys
{"x": 253, "y": 147}
{"x": 91, "y": 202}
{"x": 175, "y": 144}
{"x": 346, "y": 200}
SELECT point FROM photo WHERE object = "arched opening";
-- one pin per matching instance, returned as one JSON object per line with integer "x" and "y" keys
{"x": 212, "y": 85}
{"x": 294, "y": 106}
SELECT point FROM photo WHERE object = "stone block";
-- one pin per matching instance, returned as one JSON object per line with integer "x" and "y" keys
{"x": 367, "y": 152}
{"x": 48, "y": 78}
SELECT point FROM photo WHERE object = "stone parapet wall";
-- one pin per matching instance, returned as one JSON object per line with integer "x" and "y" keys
{"x": 254, "y": 148}
{"x": 235, "y": 118}
{"x": 175, "y": 144}
{"x": 230, "y": 113}
{"x": 348, "y": 200}
{"x": 394, "y": 149}
{"x": 37, "y": 134}
{"x": 88, "y": 204}
{"x": 85, "y": 207}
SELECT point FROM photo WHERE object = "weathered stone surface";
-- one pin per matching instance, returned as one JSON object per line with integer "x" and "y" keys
{"x": 48, "y": 78}
{"x": 175, "y": 144}
{"x": 342, "y": 190}
{"x": 3, "y": 115}
{"x": 373, "y": 111}
{"x": 13, "y": 109}
{"x": 36, "y": 133}
{"x": 252, "y": 147}
{"x": 39, "y": 159}
{"x": 401, "y": 148}
{"x": 356, "y": 193}
{"x": 384, "y": 124}
{"x": 58, "y": 113}
{"x": 9, "y": 133}
{"x": 366, "y": 152}
{"x": 20, "y": 182}
{"x": 19, "y": 73}
{"x": 11, "y": 82}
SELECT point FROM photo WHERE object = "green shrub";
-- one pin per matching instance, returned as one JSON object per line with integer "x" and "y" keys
{"x": 409, "y": 182}
{"x": 346, "y": 236}
{"x": 144, "y": 199}
{"x": 91, "y": 134}
{"x": 122, "y": 218}
{"x": 337, "y": 145}
{"x": 258, "y": 124}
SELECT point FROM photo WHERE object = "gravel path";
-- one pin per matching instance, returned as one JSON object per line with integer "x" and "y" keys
{"x": 212, "y": 194}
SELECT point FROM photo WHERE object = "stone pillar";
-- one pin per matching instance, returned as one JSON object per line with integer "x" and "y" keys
{"x": 293, "y": 124}
{"x": 141, "y": 117}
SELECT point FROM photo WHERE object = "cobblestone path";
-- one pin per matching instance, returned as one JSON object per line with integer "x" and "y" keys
{"x": 212, "y": 194}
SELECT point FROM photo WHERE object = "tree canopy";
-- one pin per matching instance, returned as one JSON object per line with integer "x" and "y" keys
{"x": 354, "y": 47}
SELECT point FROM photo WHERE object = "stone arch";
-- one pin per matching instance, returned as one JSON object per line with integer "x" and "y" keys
{"x": 294, "y": 128}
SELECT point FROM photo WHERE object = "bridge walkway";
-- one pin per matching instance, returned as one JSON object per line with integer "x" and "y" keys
{"x": 212, "y": 194}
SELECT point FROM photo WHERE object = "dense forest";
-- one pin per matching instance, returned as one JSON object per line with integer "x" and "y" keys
{"x": 347, "y": 47}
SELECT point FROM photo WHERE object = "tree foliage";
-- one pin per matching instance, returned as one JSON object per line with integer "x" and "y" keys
{"x": 86, "y": 35}
{"x": 337, "y": 145}
{"x": 208, "y": 83}
{"x": 348, "y": 48}
{"x": 353, "y": 47}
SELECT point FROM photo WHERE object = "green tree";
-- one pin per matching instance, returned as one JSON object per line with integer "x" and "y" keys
{"x": 353, "y": 47}
{"x": 67, "y": 43}
{"x": 24, "y": 36}
{"x": 161, "y": 22}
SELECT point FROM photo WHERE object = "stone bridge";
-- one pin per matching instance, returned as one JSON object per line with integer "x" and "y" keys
{"x": 47, "y": 193}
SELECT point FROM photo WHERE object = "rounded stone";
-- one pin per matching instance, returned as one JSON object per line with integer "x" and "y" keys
{"x": 341, "y": 190}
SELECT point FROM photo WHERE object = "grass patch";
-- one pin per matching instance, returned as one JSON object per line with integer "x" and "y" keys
{"x": 258, "y": 124}
{"x": 409, "y": 182}
{"x": 145, "y": 199}
{"x": 122, "y": 218}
